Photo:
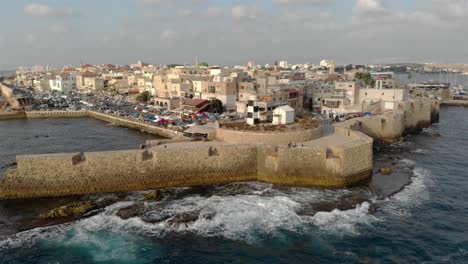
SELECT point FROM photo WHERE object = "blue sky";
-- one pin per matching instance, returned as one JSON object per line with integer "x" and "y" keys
{"x": 62, "y": 32}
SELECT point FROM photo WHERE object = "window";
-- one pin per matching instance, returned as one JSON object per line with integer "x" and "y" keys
{"x": 366, "y": 94}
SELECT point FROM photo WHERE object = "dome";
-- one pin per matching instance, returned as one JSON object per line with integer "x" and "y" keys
{"x": 324, "y": 63}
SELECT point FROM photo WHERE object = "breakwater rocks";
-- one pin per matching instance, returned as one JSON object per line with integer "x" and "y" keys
{"x": 342, "y": 160}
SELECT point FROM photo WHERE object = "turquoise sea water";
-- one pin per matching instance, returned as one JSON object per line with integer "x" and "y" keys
{"x": 426, "y": 222}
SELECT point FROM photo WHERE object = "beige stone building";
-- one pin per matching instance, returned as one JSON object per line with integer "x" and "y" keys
{"x": 224, "y": 89}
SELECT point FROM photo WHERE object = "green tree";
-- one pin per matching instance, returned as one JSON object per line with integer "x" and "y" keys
{"x": 203, "y": 64}
{"x": 143, "y": 97}
{"x": 217, "y": 106}
{"x": 365, "y": 77}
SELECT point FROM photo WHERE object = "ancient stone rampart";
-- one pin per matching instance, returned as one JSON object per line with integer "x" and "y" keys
{"x": 133, "y": 124}
{"x": 189, "y": 164}
{"x": 268, "y": 137}
{"x": 56, "y": 114}
{"x": 407, "y": 117}
{"x": 104, "y": 117}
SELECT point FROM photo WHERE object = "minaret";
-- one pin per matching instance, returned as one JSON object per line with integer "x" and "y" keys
{"x": 196, "y": 61}
{"x": 332, "y": 67}
{"x": 253, "y": 116}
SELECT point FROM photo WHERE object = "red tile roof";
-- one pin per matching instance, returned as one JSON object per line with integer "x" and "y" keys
{"x": 196, "y": 102}
{"x": 88, "y": 74}
{"x": 64, "y": 74}
{"x": 86, "y": 66}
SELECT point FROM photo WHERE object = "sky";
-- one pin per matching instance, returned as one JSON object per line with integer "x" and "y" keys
{"x": 222, "y": 32}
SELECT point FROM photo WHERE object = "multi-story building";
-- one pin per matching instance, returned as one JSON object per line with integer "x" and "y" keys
{"x": 64, "y": 82}
{"x": 221, "y": 88}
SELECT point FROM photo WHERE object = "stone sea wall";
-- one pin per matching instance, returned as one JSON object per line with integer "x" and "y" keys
{"x": 188, "y": 164}
{"x": 318, "y": 166}
{"x": 104, "y": 117}
{"x": 112, "y": 171}
{"x": 56, "y": 114}
{"x": 4, "y": 115}
{"x": 407, "y": 117}
{"x": 274, "y": 137}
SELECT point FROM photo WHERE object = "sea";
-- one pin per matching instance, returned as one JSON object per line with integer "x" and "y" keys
{"x": 418, "y": 214}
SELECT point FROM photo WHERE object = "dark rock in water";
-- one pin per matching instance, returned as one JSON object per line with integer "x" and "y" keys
{"x": 344, "y": 203}
{"x": 386, "y": 171}
{"x": 207, "y": 214}
{"x": 154, "y": 217}
{"x": 130, "y": 211}
{"x": 74, "y": 209}
{"x": 387, "y": 185}
{"x": 372, "y": 208}
{"x": 183, "y": 219}
{"x": 10, "y": 164}
{"x": 153, "y": 195}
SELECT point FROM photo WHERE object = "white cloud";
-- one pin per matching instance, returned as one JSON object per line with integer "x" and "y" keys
{"x": 184, "y": 12}
{"x": 58, "y": 28}
{"x": 37, "y": 10}
{"x": 41, "y": 10}
{"x": 313, "y": 2}
{"x": 168, "y": 34}
{"x": 369, "y": 7}
{"x": 31, "y": 38}
{"x": 214, "y": 11}
{"x": 243, "y": 11}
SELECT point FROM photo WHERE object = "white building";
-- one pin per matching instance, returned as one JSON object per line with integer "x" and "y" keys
{"x": 283, "y": 115}
{"x": 65, "y": 82}
{"x": 324, "y": 63}
{"x": 283, "y": 64}
{"x": 253, "y": 116}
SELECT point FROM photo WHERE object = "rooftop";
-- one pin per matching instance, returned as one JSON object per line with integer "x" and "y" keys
{"x": 300, "y": 124}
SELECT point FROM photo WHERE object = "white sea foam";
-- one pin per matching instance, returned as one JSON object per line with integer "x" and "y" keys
{"x": 412, "y": 195}
{"x": 420, "y": 151}
{"x": 408, "y": 162}
{"x": 344, "y": 222}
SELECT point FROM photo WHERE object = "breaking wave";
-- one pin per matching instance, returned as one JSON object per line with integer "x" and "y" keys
{"x": 414, "y": 194}
{"x": 344, "y": 222}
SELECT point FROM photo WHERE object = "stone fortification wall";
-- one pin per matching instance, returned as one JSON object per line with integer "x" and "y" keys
{"x": 56, "y": 114}
{"x": 384, "y": 127}
{"x": 96, "y": 172}
{"x": 435, "y": 109}
{"x": 334, "y": 166}
{"x": 408, "y": 117}
{"x": 104, "y": 117}
{"x": 278, "y": 137}
{"x": 189, "y": 164}
{"x": 417, "y": 114}
{"x": 134, "y": 124}
{"x": 11, "y": 115}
